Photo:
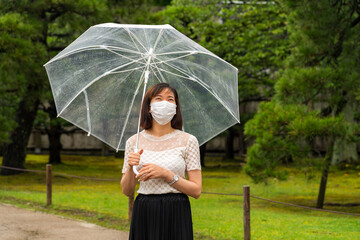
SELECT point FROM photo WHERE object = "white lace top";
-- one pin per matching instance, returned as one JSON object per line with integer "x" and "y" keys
{"x": 177, "y": 151}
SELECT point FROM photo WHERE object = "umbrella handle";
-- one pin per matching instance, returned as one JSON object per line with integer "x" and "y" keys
{"x": 134, "y": 167}
{"x": 135, "y": 170}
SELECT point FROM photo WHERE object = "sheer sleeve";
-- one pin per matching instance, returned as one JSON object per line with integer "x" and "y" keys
{"x": 192, "y": 155}
{"x": 128, "y": 148}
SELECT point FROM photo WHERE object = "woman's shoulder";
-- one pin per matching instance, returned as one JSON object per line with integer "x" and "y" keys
{"x": 187, "y": 136}
{"x": 132, "y": 140}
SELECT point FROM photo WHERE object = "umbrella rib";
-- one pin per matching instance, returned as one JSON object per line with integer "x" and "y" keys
{"x": 131, "y": 105}
{"x": 130, "y": 33}
{"x": 199, "y": 107}
{"x": 169, "y": 46}
{"x": 155, "y": 74}
{"x": 157, "y": 39}
{"x": 204, "y": 85}
{"x": 146, "y": 38}
{"x": 196, "y": 51}
{"x": 191, "y": 93}
{"x": 96, "y": 79}
{"x": 177, "y": 52}
{"x": 172, "y": 59}
{"x": 127, "y": 70}
{"x": 159, "y": 72}
{"x": 88, "y": 48}
{"x": 198, "y": 65}
{"x": 123, "y": 49}
{"x": 189, "y": 78}
{"x": 121, "y": 55}
{"x": 87, "y": 112}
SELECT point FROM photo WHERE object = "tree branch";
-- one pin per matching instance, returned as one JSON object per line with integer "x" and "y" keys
{"x": 256, "y": 99}
{"x": 59, "y": 48}
{"x": 60, "y": 35}
{"x": 355, "y": 22}
{"x": 67, "y": 132}
{"x": 14, "y": 90}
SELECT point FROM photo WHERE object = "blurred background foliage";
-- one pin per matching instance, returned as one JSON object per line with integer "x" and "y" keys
{"x": 298, "y": 61}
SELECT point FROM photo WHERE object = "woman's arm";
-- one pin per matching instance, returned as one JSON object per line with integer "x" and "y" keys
{"x": 128, "y": 180}
{"x": 191, "y": 187}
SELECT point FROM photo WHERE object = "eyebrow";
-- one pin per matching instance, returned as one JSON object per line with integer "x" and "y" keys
{"x": 159, "y": 95}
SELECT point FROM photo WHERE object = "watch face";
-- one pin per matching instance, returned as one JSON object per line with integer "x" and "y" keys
{"x": 176, "y": 177}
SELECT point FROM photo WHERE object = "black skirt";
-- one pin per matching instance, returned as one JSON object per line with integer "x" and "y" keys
{"x": 161, "y": 217}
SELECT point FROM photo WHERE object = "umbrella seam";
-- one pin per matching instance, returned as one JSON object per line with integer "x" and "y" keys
{"x": 89, "y": 84}
{"x": 130, "y": 107}
{"x": 214, "y": 94}
{"x": 87, "y": 112}
{"x": 130, "y": 34}
{"x": 88, "y": 48}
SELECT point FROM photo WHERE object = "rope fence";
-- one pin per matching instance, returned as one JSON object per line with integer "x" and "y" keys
{"x": 246, "y": 195}
{"x": 213, "y": 193}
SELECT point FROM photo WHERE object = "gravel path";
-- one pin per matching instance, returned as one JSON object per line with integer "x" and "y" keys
{"x": 21, "y": 224}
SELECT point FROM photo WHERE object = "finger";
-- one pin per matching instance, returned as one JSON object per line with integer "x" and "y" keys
{"x": 145, "y": 177}
{"x": 134, "y": 163}
{"x": 133, "y": 160}
{"x": 134, "y": 155}
{"x": 142, "y": 171}
{"x": 141, "y": 151}
{"x": 142, "y": 177}
{"x": 149, "y": 176}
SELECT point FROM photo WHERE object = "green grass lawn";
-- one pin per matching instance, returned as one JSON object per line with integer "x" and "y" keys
{"x": 214, "y": 216}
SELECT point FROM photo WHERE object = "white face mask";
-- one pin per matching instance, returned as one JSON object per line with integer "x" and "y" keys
{"x": 163, "y": 111}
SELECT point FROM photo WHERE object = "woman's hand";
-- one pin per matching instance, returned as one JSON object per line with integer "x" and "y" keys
{"x": 134, "y": 158}
{"x": 152, "y": 171}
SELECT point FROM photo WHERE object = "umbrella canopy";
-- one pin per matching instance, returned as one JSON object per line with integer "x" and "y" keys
{"x": 97, "y": 80}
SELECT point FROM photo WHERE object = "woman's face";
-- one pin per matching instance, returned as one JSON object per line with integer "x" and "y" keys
{"x": 165, "y": 95}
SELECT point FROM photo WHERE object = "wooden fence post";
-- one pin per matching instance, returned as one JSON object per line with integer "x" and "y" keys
{"x": 48, "y": 184}
{"x": 131, "y": 206}
{"x": 246, "y": 191}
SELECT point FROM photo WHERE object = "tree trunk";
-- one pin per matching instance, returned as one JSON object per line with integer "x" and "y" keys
{"x": 325, "y": 173}
{"x": 55, "y": 146}
{"x": 229, "y": 148}
{"x": 202, "y": 154}
{"x": 15, "y": 151}
{"x": 242, "y": 143}
{"x": 345, "y": 150}
{"x": 104, "y": 149}
{"x": 2, "y": 147}
{"x": 54, "y": 135}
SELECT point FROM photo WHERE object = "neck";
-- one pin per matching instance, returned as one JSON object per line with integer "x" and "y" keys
{"x": 160, "y": 130}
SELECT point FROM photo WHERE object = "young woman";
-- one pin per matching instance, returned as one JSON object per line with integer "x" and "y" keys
{"x": 162, "y": 208}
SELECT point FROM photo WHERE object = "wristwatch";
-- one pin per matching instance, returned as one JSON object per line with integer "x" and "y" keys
{"x": 176, "y": 178}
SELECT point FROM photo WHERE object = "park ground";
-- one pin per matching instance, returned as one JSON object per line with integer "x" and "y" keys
{"x": 21, "y": 224}
{"x": 214, "y": 216}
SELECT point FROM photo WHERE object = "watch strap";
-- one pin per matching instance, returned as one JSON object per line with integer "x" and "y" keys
{"x": 176, "y": 178}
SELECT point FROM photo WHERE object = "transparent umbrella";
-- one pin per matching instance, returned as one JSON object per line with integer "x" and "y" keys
{"x": 99, "y": 80}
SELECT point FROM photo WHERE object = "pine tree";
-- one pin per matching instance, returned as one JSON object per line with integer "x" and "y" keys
{"x": 32, "y": 32}
{"x": 317, "y": 95}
